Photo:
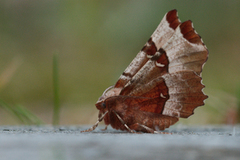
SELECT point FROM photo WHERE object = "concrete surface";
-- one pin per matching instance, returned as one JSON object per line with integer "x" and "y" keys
{"x": 67, "y": 143}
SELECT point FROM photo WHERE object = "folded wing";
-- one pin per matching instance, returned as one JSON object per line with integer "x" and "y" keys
{"x": 164, "y": 31}
{"x": 171, "y": 76}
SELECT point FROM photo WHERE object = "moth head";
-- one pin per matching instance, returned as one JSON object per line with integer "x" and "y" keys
{"x": 109, "y": 92}
{"x": 101, "y": 106}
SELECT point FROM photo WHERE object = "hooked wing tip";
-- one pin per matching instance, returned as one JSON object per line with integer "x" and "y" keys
{"x": 189, "y": 33}
{"x": 173, "y": 19}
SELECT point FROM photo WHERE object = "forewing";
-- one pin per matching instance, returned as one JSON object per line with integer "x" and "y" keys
{"x": 164, "y": 31}
{"x": 178, "y": 64}
{"x": 185, "y": 50}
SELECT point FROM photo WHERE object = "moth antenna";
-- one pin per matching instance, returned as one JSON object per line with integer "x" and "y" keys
{"x": 96, "y": 124}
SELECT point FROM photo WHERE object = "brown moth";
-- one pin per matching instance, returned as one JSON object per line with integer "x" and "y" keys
{"x": 161, "y": 84}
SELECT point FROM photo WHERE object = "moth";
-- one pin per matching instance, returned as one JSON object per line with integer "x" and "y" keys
{"x": 161, "y": 84}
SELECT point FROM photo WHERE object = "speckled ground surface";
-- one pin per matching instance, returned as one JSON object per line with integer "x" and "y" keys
{"x": 67, "y": 143}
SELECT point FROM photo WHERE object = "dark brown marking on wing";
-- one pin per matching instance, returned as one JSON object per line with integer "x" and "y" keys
{"x": 158, "y": 54}
{"x": 189, "y": 33}
{"x": 163, "y": 59}
{"x": 172, "y": 19}
{"x": 150, "y": 47}
{"x": 127, "y": 74}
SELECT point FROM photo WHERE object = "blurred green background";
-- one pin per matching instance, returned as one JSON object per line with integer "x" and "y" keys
{"x": 96, "y": 40}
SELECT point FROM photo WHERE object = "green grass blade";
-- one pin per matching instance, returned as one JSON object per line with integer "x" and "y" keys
{"x": 238, "y": 105}
{"x": 10, "y": 109}
{"x": 56, "y": 110}
{"x": 21, "y": 114}
{"x": 28, "y": 115}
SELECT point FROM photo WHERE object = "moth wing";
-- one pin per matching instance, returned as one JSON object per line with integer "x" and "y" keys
{"x": 185, "y": 94}
{"x": 175, "y": 67}
{"x": 164, "y": 31}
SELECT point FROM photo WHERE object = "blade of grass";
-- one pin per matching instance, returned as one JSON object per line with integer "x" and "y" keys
{"x": 28, "y": 115}
{"x": 56, "y": 90}
{"x": 238, "y": 105}
{"x": 21, "y": 113}
{"x": 10, "y": 109}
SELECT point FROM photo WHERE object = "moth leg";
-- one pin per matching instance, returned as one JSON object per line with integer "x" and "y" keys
{"x": 139, "y": 127}
{"x": 125, "y": 125}
{"x": 150, "y": 130}
{"x": 105, "y": 128}
{"x": 158, "y": 131}
{"x": 96, "y": 124}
